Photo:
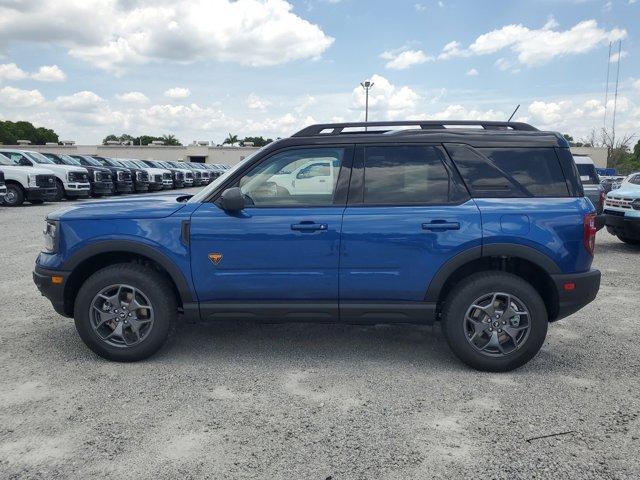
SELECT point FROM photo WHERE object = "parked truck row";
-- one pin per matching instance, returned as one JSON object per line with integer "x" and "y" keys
{"x": 34, "y": 177}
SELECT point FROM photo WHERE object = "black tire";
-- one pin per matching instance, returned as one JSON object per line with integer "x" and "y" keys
{"x": 474, "y": 287}
{"x": 37, "y": 202}
{"x": 59, "y": 191}
{"x": 154, "y": 286}
{"x": 14, "y": 196}
{"x": 630, "y": 241}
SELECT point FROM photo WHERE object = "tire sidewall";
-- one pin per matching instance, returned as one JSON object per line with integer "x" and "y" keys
{"x": 153, "y": 287}
{"x": 481, "y": 284}
{"x": 19, "y": 196}
{"x": 59, "y": 191}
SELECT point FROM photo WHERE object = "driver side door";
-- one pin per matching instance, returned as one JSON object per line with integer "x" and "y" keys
{"x": 279, "y": 257}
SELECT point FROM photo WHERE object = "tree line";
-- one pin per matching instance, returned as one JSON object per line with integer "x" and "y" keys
{"x": 11, "y": 132}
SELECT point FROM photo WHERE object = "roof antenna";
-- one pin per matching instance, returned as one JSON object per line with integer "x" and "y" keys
{"x": 514, "y": 112}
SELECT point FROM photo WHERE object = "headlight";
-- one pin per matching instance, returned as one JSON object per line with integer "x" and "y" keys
{"x": 31, "y": 180}
{"x": 636, "y": 204}
{"x": 50, "y": 235}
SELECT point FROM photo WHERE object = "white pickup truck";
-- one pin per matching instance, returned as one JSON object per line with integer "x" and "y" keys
{"x": 35, "y": 185}
{"x": 622, "y": 210}
{"x": 71, "y": 181}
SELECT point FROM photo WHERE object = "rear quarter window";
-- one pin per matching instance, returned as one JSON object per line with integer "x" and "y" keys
{"x": 510, "y": 172}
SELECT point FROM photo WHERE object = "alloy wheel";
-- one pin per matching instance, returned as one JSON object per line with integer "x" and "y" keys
{"x": 497, "y": 324}
{"x": 121, "y": 315}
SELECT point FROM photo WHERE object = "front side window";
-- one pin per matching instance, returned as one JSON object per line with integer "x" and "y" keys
{"x": 401, "y": 175}
{"x": 18, "y": 159}
{"x": 635, "y": 179}
{"x": 298, "y": 177}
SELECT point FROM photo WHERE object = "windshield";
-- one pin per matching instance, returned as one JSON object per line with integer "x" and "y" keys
{"x": 139, "y": 164}
{"x": 113, "y": 162}
{"x": 101, "y": 161}
{"x": 588, "y": 174}
{"x": 92, "y": 161}
{"x": 39, "y": 158}
{"x": 69, "y": 160}
{"x": 635, "y": 179}
{"x": 204, "y": 193}
{"x": 6, "y": 160}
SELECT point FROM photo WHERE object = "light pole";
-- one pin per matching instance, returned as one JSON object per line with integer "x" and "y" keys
{"x": 367, "y": 86}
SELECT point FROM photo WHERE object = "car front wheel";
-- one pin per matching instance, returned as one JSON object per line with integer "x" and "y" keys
{"x": 630, "y": 241}
{"x": 494, "y": 321}
{"x": 125, "y": 312}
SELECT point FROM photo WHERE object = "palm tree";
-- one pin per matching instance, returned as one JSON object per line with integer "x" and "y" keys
{"x": 170, "y": 140}
{"x": 230, "y": 140}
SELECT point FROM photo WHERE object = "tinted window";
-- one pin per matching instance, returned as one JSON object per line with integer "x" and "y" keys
{"x": 635, "y": 179}
{"x": 405, "y": 175}
{"x": 535, "y": 169}
{"x": 510, "y": 172}
{"x": 284, "y": 179}
{"x": 588, "y": 174}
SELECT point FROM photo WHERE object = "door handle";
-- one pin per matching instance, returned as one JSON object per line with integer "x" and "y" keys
{"x": 441, "y": 225}
{"x": 308, "y": 226}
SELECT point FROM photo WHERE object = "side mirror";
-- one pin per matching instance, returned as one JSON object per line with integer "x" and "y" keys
{"x": 231, "y": 200}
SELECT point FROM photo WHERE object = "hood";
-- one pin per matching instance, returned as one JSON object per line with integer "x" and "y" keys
{"x": 156, "y": 171}
{"x": 64, "y": 168}
{"x": 626, "y": 190}
{"x": 10, "y": 169}
{"x": 149, "y": 206}
{"x": 91, "y": 168}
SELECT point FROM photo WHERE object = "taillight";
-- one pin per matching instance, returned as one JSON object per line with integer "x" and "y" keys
{"x": 590, "y": 232}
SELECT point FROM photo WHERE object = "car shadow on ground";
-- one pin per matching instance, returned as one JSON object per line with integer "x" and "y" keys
{"x": 330, "y": 341}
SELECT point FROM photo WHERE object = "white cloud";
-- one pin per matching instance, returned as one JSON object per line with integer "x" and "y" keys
{"x": 502, "y": 64}
{"x": 386, "y": 101}
{"x": 254, "y": 102}
{"x": 18, "y": 98}
{"x": 459, "y": 112}
{"x": 537, "y": 46}
{"x": 420, "y": 7}
{"x": 177, "y": 92}
{"x": 49, "y": 73}
{"x": 307, "y": 102}
{"x": 132, "y": 97}
{"x": 10, "y": 71}
{"x": 472, "y": 72}
{"x": 249, "y": 32}
{"x": 617, "y": 56}
{"x": 636, "y": 85}
{"x": 84, "y": 101}
{"x": 401, "y": 60}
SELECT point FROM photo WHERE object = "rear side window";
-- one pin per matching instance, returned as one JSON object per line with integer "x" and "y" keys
{"x": 400, "y": 175}
{"x": 510, "y": 172}
{"x": 536, "y": 169}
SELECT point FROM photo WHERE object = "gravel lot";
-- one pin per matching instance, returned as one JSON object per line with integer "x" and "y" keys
{"x": 314, "y": 401}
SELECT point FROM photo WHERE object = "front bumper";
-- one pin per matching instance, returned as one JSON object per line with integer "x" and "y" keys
{"x": 102, "y": 188}
{"x": 142, "y": 186}
{"x": 154, "y": 186}
{"x": 54, "y": 292}
{"x": 124, "y": 187}
{"x": 38, "y": 193}
{"x": 622, "y": 226}
{"x": 77, "y": 189}
{"x": 575, "y": 290}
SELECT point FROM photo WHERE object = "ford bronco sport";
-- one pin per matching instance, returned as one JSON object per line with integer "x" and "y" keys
{"x": 485, "y": 230}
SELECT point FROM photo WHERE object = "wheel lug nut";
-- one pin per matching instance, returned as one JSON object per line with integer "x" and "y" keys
{"x": 499, "y": 330}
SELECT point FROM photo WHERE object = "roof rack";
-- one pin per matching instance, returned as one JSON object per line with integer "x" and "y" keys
{"x": 337, "y": 128}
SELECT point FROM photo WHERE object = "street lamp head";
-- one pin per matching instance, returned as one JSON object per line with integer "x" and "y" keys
{"x": 366, "y": 84}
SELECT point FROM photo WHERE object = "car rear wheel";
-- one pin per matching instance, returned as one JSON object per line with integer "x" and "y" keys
{"x": 494, "y": 321}
{"x": 14, "y": 196}
{"x": 125, "y": 312}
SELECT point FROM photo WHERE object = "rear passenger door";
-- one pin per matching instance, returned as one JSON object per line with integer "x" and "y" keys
{"x": 407, "y": 214}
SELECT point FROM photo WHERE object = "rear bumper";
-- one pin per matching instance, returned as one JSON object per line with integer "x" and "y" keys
{"x": 623, "y": 226}
{"x": 54, "y": 292}
{"x": 575, "y": 290}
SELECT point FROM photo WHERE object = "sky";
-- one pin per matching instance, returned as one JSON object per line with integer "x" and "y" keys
{"x": 200, "y": 69}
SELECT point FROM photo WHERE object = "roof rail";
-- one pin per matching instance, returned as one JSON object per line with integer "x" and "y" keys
{"x": 337, "y": 128}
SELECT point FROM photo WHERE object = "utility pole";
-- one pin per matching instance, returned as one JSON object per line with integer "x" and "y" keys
{"x": 367, "y": 86}
{"x": 606, "y": 92}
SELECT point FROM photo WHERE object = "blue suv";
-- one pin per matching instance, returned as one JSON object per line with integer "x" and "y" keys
{"x": 483, "y": 228}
